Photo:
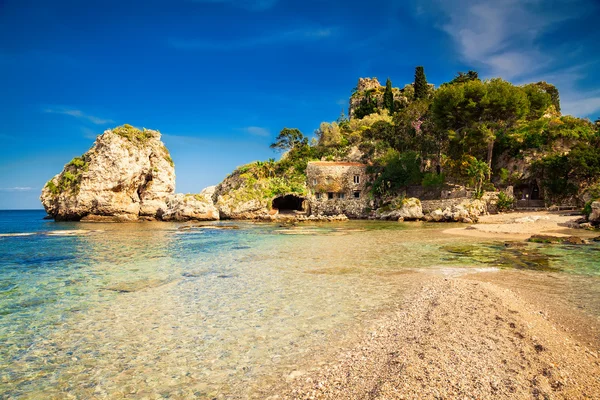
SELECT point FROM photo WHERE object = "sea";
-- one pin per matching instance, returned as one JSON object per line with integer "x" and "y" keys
{"x": 223, "y": 309}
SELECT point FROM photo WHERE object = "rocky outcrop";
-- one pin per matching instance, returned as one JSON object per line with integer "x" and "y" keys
{"x": 127, "y": 175}
{"x": 467, "y": 211}
{"x": 186, "y": 207}
{"x": 401, "y": 210}
{"x": 594, "y": 217}
{"x": 238, "y": 198}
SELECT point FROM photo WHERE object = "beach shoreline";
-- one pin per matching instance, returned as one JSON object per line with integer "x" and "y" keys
{"x": 522, "y": 225}
{"x": 460, "y": 337}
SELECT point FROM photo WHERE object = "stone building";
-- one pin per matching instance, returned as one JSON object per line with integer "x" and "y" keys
{"x": 337, "y": 188}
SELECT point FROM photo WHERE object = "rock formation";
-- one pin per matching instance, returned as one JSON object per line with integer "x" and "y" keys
{"x": 594, "y": 217}
{"x": 402, "y": 210}
{"x": 127, "y": 175}
{"x": 236, "y": 198}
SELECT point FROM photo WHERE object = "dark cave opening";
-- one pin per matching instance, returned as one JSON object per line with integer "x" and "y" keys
{"x": 289, "y": 203}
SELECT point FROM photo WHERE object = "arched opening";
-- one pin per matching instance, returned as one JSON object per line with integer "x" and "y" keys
{"x": 289, "y": 203}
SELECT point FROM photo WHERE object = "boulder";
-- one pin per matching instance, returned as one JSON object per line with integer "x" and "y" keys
{"x": 594, "y": 217}
{"x": 127, "y": 174}
{"x": 437, "y": 215}
{"x": 407, "y": 209}
{"x": 188, "y": 207}
{"x": 468, "y": 212}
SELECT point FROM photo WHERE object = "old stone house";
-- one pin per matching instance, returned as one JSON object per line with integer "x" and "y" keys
{"x": 337, "y": 188}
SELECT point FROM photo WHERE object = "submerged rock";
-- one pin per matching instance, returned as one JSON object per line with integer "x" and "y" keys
{"x": 556, "y": 239}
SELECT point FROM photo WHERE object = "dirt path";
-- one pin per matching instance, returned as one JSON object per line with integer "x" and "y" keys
{"x": 457, "y": 338}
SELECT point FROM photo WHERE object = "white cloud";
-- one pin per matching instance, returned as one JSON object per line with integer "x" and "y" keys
{"x": 254, "y": 5}
{"x": 78, "y": 114}
{"x": 276, "y": 38}
{"x": 257, "y": 131}
{"x": 506, "y": 38}
{"x": 16, "y": 189}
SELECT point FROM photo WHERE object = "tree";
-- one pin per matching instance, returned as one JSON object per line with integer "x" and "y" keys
{"x": 395, "y": 171}
{"x": 503, "y": 105}
{"x": 552, "y": 91}
{"x": 539, "y": 100}
{"x": 289, "y": 139}
{"x": 463, "y": 77}
{"x": 420, "y": 83}
{"x": 477, "y": 170}
{"x": 366, "y": 107}
{"x": 388, "y": 97}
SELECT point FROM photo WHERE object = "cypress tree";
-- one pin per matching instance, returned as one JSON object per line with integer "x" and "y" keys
{"x": 420, "y": 83}
{"x": 388, "y": 97}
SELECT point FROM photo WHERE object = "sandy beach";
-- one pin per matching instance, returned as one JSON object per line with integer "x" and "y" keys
{"x": 494, "y": 335}
{"x": 459, "y": 338}
{"x": 521, "y": 225}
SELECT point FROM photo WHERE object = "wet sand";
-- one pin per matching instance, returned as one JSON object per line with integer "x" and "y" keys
{"x": 461, "y": 338}
{"x": 521, "y": 225}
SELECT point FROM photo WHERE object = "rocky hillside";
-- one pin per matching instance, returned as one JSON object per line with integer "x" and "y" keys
{"x": 127, "y": 175}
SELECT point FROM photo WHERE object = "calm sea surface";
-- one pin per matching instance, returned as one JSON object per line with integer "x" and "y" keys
{"x": 167, "y": 310}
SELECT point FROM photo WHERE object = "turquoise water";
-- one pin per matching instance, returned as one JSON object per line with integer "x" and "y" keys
{"x": 157, "y": 310}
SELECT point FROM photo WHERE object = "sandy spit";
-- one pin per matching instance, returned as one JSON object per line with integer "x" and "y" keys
{"x": 457, "y": 338}
{"x": 521, "y": 225}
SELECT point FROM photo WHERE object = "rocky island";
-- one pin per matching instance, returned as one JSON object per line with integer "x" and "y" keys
{"x": 455, "y": 153}
{"x": 127, "y": 175}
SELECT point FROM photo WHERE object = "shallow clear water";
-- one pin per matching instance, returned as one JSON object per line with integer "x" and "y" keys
{"x": 161, "y": 310}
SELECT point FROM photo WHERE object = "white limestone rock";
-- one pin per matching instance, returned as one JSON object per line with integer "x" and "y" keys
{"x": 187, "y": 207}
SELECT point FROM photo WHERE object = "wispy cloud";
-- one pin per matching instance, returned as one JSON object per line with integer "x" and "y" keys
{"x": 257, "y": 131}
{"x": 78, "y": 114}
{"x": 276, "y": 38}
{"x": 254, "y": 5}
{"x": 16, "y": 189}
{"x": 506, "y": 38}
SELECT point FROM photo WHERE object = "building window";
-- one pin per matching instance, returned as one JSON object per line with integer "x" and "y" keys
{"x": 318, "y": 196}
{"x": 357, "y": 194}
{"x": 342, "y": 196}
{"x": 356, "y": 178}
{"x": 330, "y": 196}
{"x": 315, "y": 181}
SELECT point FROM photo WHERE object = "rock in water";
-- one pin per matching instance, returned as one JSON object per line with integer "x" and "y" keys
{"x": 185, "y": 207}
{"x": 126, "y": 175}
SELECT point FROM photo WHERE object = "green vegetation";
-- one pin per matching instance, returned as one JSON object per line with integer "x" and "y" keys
{"x": 70, "y": 179}
{"x": 479, "y": 133}
{"x": 505, "y": 202}
{"x": 388, "y": 97}
{"x": 133, "y": 134}
{"x": 420, "y": 84}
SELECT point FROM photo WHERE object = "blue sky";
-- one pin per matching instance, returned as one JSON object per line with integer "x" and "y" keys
{"x": 220, "y": 78}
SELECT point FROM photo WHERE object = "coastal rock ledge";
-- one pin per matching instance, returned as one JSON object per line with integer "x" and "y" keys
{"x": 127, "y": 175}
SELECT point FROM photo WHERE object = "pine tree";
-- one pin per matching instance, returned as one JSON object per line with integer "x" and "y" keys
{"x": 388, "y": 97}
{"x": 420, "y": 83}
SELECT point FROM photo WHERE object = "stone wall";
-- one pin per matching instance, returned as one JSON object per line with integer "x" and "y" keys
{"x": 431, "y": 205}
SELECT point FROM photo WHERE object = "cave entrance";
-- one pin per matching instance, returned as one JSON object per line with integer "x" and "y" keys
{"x": 290, "y": 203}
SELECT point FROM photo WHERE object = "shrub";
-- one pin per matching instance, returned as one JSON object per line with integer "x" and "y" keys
{"x": 505, "y": 202}
{"x": 431, "y": 179}
{"x": 133, "y": 134}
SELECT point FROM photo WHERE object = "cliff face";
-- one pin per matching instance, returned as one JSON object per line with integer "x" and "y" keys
{"x": 372, "y": 88}
{"x": 127, "y": 175}
{"x": 238, "y": 198}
